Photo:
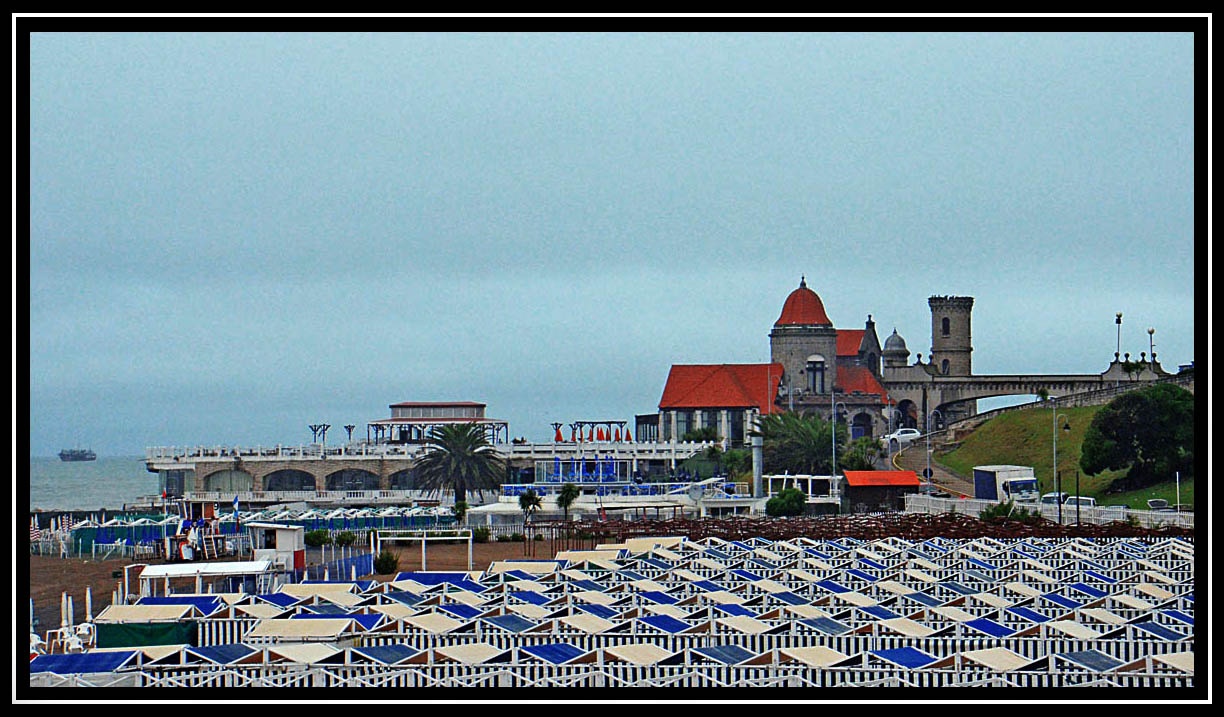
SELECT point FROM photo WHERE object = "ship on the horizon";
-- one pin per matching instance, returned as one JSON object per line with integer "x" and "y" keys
{"x": 78, "y": 454}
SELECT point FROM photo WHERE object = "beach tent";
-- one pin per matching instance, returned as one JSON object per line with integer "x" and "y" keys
{"x": 139, "y": 625}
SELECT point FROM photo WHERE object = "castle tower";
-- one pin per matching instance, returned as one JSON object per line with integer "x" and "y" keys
{"x": 896, "y": 354}
{"x": 951, "y": 338}
{"x": 804, "y": 341}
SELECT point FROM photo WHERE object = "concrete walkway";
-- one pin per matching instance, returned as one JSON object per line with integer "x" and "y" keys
{"x": 913, "y": 458}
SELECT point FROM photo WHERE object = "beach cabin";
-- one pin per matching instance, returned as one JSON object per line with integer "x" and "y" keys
{"x": 282, "y": 545}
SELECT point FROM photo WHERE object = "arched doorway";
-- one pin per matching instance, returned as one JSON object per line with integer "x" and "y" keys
{"x": 860, "y": 426}
{"x": 289, "y": 479}
{"x": 908, "y": 412}
{"x": 352, "y": 479}
{"x": 228, "y": 481}
{"x": 402, "y": 480}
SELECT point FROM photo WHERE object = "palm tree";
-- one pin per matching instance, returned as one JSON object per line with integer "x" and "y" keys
{"x": 569, "y": 493}
{"x": 459, "y": 458}
{"x": 529, "y": 502}
{"x": 795, "y": 443}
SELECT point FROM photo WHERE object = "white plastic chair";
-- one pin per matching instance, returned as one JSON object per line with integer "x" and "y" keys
{"x": 73, "y": 645}
{"x": 37, "y": 644}
{"x": 85, "y": 631}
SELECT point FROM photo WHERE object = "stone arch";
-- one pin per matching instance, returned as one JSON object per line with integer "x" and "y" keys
{"x": 289, "y": 479}
{"x": 909, "y": 413}
{"x": 860, "y": 425}
{"x": 352, "y": 479}
{"x": 228, "y": 480}
{"x": 402, "y": 480}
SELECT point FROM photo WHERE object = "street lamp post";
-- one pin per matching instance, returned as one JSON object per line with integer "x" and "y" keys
{"x": 928, "y": 474}
{"x": 833, "y": 427}
{"x": 1054, "y": 429}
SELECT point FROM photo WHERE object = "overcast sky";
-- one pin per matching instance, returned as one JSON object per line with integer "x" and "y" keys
{"x": 233, "y": 236}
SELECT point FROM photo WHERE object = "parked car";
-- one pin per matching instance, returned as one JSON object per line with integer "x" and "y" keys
{"x": 1054, "y": 498}
{"x": 1082, "y": 501}
{"x": 901, "y": 437}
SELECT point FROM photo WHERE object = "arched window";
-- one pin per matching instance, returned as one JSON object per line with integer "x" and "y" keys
{"x": 945, "y": 367}
{"x": 947, "y": 326}
{"x": 816, "y": 373}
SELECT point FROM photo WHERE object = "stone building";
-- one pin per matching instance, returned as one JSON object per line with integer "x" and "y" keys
{"x": 816, "y": 368}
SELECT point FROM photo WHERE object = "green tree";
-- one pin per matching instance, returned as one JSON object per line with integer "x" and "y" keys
{"x": 569, "y": 493}
{"x": 797, "y": 444}
{"x": 737, "y": 461}
{"x": 460, "y": 509}
{"x": 460, "y": 459}
{"x": 529, "y": 502}
{"x": 861, "y": 455}
{"x": 1150, "y": 430}
{"x": 788, "y": 501}
{"x": 705, "y": 433}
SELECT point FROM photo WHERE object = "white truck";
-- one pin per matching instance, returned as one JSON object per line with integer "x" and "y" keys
{"x": 1003, "y": 483}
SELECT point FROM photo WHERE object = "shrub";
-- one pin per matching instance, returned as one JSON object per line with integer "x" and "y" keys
{"x": 480, "y": 535}
{"x": 387, "y": 563}
{"x": 789, "y": 501}
{"x": 345, "y": 538}
{"x": 1008, "y": 511}
{"x": 315, "y": 538}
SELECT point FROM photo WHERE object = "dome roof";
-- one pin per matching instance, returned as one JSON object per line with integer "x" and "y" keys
{"x": 895, "y": 344}
{"x": 803, "y": 307}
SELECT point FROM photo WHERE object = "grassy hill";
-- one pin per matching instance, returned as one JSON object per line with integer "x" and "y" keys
{"x": 1025, "y": 438}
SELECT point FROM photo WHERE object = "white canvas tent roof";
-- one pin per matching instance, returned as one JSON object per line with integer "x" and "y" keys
{"x": 818, "y": 656}
{"x": 119, "y": 614}
{"x": 312, "y": 629}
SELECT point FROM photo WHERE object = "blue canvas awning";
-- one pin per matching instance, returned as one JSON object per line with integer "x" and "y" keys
{"x": 725, "y": 654}
{"x": 556, "y": 653}
{"x": 659, "y": 597}
{"x": 831, "y": 586}
{"x": 988, "y": 627}
{"x": 1088, "y": 590}
{"x": 467, "y": 612}
{"x": 827, "y": 625}
{"x": 83, "y": 663}
{"x": 603, "y": 611}
{"x": 666, "y": 623}
{"x": 923, "y": 599}
{"x": 1028, "y": 614}
{"x": 281, "y": 599}
{"x": 1062, "y": 601}
{"x": 510, "y": 622}
{"x": 908, "y": 657}
{"x": 1160, "y": 631}
{"x": 227, "y": 654}
{"x": 529, "y": 596}
{"x": 1094, "y": 660}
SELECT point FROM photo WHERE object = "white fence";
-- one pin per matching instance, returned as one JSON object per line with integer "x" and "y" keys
{"x": 1071, "y": 515}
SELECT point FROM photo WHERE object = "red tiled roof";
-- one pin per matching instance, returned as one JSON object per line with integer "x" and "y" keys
{"x": 722, "y": 386}
{"x": 803, "y": 307}
{"x": 849, "y": 341}
{"x": 877, "y": 478}
{"x": 858, "y": 378}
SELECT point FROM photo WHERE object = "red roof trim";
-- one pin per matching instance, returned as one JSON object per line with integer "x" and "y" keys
{"x": 858, "y": 479}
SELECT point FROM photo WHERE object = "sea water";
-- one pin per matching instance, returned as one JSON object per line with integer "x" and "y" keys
{"x": 108, "y": 482}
